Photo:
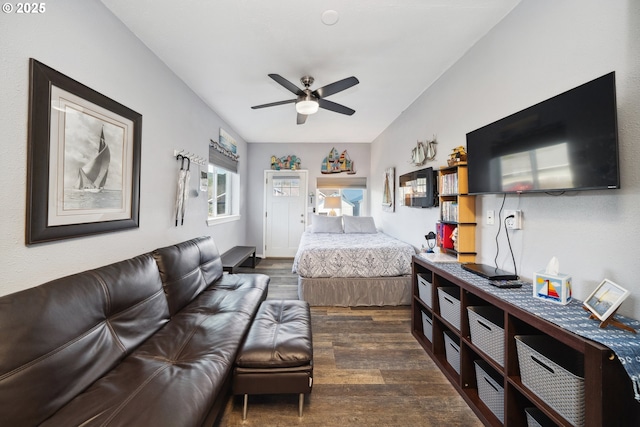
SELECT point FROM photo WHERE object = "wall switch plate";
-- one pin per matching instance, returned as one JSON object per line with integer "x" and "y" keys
{"x": 514, "y": 223}
{"x": 491, "y": 217}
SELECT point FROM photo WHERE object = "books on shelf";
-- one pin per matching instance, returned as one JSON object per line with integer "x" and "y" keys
{"x": 449, "y": 211}
{"x": 449, "y": 184}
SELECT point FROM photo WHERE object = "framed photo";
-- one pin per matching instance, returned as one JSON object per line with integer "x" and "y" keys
{"x": 83, "y": 174}
{"x": 388, "y": 189}
{"x": 605, "y": 299}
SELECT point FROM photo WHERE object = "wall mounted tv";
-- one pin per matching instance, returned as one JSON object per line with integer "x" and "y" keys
{"x": 568, "y": 142}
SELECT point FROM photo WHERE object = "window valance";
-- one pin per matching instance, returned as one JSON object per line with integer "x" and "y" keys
{"x": 340, "y": 182}
{"x": 221, "y": 157}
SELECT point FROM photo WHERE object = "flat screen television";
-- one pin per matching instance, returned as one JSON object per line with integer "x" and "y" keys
{"x": 568, "y": 142}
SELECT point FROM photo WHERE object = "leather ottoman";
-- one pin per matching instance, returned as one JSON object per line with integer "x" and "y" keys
{"x": 277, "y": 355}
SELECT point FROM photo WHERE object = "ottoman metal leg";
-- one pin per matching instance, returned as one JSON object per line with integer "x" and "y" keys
{"x": 244, "y": 407}
{"x": 300, "y": 404}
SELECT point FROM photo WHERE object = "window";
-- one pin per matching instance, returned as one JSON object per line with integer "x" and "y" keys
{"x": 352, "y": 201}
{"x": 219, "y": 191}
{"x": 224, "y": 186}
{"x": 286, "y": 186}
{"x": 352, "y": 193}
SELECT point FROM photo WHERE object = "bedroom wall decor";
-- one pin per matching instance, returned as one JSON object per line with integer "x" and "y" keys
{"x": 388, "y": 190}
{"x": 337, "y": 163}
{"x": 83, "y": 160}
{"x": 423, "y": 152}
{"x": 291, "y": 162}
{"x": 228, "y": 142}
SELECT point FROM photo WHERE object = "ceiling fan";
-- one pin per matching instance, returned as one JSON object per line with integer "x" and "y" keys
{"x": 308, "y": 101}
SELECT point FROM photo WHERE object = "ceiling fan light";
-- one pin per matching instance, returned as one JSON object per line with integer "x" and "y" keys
{"x": 307, "y": 107}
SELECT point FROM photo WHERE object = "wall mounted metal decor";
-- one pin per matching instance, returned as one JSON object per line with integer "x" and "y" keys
{"x": 337, "y": 163}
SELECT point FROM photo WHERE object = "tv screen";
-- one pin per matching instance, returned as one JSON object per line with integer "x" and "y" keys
{"x": 568, "y": 142}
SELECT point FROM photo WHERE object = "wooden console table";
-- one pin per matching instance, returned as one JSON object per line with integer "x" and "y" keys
{"x": 608, "y": 391}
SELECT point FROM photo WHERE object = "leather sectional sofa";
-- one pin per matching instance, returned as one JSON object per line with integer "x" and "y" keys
{"x": 149, "y": 341}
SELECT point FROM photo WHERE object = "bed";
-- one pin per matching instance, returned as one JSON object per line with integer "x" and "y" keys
{"x": 352, "y": 265}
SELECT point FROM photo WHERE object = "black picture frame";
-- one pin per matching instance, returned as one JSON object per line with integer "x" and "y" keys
{"x": 63, "y": 119}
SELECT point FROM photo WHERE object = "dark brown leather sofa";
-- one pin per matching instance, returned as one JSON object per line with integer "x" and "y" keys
{"x": 149, "y": 341}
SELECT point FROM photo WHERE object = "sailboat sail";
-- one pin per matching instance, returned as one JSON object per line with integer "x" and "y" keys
{"x": 93, "y": 175}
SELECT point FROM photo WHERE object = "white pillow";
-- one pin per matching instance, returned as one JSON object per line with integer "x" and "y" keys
{"x": 327, "y": 224}
{"x": 359, "y": 224}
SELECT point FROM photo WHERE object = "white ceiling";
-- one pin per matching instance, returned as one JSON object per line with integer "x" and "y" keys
{"x": 224, "y": 49}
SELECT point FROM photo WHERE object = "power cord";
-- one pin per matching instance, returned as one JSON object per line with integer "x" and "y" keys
{"x": 513, "y": 258}
{"x": 495, "y": 260}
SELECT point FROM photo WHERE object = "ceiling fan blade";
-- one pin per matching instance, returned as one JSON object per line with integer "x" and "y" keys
{"x": 273, "y": 104}
{"x": 302, "y": 118}
{"x": 286, "y": 84}
{"x": 338, "y": 108}
{"x": 335, "y": 87}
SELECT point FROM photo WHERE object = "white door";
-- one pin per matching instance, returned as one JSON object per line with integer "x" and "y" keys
{"x": 285, "y": 212}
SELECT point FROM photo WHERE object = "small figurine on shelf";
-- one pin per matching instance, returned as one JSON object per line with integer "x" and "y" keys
{"x": 454, "y": 238}
{"x": 459, "y": 155}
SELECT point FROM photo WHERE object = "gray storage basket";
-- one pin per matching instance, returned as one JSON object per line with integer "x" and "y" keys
{"x": 535, "y": 418}
{"x": 424, "y": 289}
{"x": 449, "y": 300}
{"x": 490, "y": 388}
{"x": 452, "y": 350}
{"x": 427, "y": 326}
{"x": 486, "y": 326}
{"x": 554, "y": 373}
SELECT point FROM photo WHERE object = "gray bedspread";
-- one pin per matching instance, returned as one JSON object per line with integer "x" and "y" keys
{"x": 352, "y": 255}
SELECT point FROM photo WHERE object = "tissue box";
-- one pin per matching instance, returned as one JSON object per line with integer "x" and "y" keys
{"x": 552, "y": 287}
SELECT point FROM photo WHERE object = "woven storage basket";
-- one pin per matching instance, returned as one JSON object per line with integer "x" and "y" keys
{"x": 535, "y": 418}
{"x": 555, "y": 373}
{"x": 424, "y": 290}
{"x": 490, "y": 388}
{"x": 449, "y": 300}
{"x": 452, "y": 350}
{"x": 486, "y": 325}
{"x": 427, "y": 326}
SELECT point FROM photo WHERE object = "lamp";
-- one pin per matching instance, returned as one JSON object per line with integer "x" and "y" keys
{"x": 333, "y": 203}
{"x": 307, "y": 104}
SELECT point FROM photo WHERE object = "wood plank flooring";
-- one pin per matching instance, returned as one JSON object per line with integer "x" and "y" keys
{"x": 368, "y": 371}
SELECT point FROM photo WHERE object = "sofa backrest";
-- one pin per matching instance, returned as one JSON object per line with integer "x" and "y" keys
{"x": 58, "y": 338}
{"x": 187, "y": 269}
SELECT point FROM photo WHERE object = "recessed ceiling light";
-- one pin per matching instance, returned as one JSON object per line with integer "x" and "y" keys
{"x": 330, "y": 17}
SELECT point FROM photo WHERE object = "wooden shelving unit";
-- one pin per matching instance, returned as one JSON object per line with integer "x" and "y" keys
{"x": 457, "y": 211}
{"x": 608, "y": 396}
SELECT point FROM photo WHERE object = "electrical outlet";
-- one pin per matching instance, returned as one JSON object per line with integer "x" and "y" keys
{"x": 491, "y": 215}
{"x": 513, "y": 219}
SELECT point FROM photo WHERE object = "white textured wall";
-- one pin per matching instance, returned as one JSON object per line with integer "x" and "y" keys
{"x": 541, "y": 49}
{"x": 312, "y": 155}
{"x": 83, "y": 40}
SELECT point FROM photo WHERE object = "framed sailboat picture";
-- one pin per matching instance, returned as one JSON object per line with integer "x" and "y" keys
{"x": 83, "y": 160}
{"x": 388, "y": 190}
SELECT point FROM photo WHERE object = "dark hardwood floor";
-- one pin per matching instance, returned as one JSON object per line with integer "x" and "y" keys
{"x": 368, "y": 371}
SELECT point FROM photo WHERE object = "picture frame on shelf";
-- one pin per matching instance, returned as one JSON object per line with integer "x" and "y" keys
{"x": 605, "y": 299}
{"x": 83, "y": 160}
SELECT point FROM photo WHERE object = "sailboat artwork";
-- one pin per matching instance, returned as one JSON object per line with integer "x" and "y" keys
{"x": 423, "y": 152}
{"x": 387, "y": 190}
{"x": 93, "y": 175}
{"x": 553, "y": 288}
{"x": 337, "y": 163}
